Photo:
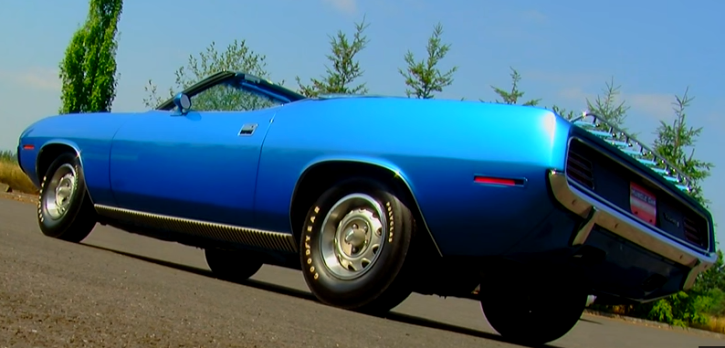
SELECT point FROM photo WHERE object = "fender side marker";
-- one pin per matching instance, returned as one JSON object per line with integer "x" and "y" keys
{"x": 489, "y": 180}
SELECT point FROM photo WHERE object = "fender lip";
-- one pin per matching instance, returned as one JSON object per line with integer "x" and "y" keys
{"x": 651, "y": 238}
{"x": 76, "y": 151}
{"x": 397, "y": 172}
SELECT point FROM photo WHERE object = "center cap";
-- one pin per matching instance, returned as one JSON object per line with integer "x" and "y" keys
{"x": 355, "y": 237}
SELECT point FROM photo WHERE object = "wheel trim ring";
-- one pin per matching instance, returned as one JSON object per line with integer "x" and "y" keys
{"x": 330, "y": 230}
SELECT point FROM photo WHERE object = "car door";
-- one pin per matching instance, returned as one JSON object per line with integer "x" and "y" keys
{"x": 202, "y": 165}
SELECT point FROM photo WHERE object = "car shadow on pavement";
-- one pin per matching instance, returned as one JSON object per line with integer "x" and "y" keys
{"x": 283, "y": 290}
{"x": 207, "y": 273}
{"x": 412, "y": 320}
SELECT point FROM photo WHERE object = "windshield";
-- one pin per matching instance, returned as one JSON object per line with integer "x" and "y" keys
{"x": 231, "y": 91}
{"x": 232, "y": 96}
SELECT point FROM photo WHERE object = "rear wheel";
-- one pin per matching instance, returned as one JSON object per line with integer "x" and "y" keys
{"x": 355, "y": 247}
{"x": 65, "y": 210}
{"x": 532, "y": 316}
{"x": 234, "y": 266}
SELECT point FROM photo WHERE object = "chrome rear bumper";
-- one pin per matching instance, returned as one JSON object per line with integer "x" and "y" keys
{"x": 629, "y": 228}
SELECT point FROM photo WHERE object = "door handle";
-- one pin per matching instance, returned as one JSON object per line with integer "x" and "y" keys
{"x": 248, "y": 129}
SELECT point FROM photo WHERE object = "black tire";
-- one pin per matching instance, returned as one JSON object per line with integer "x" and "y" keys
{"x": 532, "y": 316}
{"x": 73, "y": 217}
{"x": 386, "y": 281}
{"x": 235, "y": 266}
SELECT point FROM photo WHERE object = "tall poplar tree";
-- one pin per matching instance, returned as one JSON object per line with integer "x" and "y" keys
{"x": 88, "y": 70}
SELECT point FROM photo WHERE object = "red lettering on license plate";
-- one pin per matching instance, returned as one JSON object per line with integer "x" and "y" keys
{"x": 643, "y": 203}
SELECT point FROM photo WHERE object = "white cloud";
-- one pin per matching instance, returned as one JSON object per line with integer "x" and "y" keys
{"x": 35, "y": 78}
{"x": 345, "y": 6}
{"x": 658, "y": 106}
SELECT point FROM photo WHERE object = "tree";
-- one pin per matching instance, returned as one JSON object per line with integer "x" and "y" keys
{"x": 567, "y": 114}
{"x": 676, "y": 143}
{"x": 713, "y": 278}
{"x": 237, "y": 57}
{"x": 88, "y": 70}
{"x": 607, "y": 108}
{"x": 345, "y": 69}
{"x": 513, "y": 96}
{"x": 424, "y": 77}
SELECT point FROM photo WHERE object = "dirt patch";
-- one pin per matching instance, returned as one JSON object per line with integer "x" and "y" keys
{"x": 11, "y": 175}
{"x": 20, "y": 197}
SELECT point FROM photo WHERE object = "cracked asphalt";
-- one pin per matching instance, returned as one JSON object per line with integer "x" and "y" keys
{"x": 122, "y": 290}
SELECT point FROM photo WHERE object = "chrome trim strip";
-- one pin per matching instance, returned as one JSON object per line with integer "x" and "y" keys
{"x": 248, "y": 236}
{"x": 583, "y": 233}
{"x": 612, "y": 220}
{"x": 645, "y": 178}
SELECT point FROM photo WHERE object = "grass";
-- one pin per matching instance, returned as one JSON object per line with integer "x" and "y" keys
{"x": 714, "y": 324}
{"x": 12, "y": 175}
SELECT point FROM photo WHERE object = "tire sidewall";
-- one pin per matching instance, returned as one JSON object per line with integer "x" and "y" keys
{"x": 397, "y": 235}
{"x": 57, "y": 227}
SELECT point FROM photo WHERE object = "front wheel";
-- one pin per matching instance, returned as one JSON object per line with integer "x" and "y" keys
{"x": 65, "y": 210}
{"x": 532, "y": 316}
{"x": 355, "y": 247}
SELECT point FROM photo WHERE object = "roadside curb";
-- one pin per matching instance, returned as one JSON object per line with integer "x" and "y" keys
{"x": 654, "y": 323}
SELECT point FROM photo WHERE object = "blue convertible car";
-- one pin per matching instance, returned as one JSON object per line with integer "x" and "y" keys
{"x": 374, "y": 198}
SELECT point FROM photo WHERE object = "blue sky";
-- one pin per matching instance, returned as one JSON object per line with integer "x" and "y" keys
{"x": 565, "y": 51}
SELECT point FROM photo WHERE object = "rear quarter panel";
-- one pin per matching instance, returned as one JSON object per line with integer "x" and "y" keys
{"x": 90, "y": 134}
{"x": 437, "y": 147}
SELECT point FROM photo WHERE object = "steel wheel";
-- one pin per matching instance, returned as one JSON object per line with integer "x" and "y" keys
{"x": 351, "y": 236}
{"x": 59, "y": 191}
{"x": 356, "y": 247}
{"x": 65, "y": 210}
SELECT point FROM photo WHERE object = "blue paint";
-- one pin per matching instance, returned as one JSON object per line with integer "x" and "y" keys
{"x": 437, "y": 151}
{"x": 198, "y": 165}
{"x": 91, "y": 134}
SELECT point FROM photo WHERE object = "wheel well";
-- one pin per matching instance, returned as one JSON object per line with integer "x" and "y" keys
{"x": 47, "y": 155}
{"x": 318, "y": 178}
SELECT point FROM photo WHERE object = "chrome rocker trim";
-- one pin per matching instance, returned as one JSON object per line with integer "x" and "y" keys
{"x": 596, "y": 213}
{"x": 244, "y": 235}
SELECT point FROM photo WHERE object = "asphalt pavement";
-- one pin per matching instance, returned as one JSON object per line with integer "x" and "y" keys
{"x": 122, "y": 290}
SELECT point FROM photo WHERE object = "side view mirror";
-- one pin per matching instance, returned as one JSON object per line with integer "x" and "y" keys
{"x": 182, "y": 102}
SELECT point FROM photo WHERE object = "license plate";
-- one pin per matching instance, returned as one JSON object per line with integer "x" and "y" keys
{"x": 643, "y": 203}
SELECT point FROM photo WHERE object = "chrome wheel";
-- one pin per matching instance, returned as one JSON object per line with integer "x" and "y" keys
{"x": 59, "y": 191}
{"x": 352, "y": 236}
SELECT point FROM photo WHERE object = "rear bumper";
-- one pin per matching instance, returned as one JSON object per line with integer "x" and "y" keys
{"x": 596, "y": 213}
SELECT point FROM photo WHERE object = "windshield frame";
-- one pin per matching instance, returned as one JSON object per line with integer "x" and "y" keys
{"x": 246, "y": 82}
